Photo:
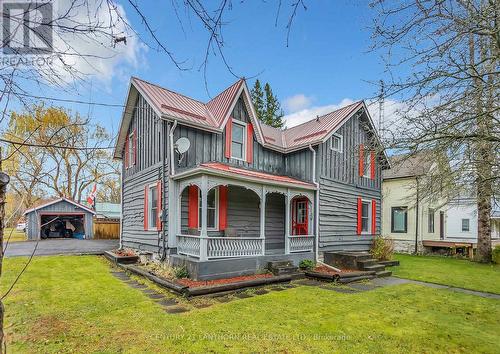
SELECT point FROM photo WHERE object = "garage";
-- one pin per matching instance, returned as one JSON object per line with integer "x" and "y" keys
{"x": 60, "y": 218}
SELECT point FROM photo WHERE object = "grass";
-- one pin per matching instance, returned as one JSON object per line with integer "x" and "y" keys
{"x": 73, "y": 304}
{"x": 16, "y": 235}
{"x": 449, "y": 271}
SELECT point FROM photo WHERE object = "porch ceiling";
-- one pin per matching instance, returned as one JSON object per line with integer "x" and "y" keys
{"x": 220, "y": 169}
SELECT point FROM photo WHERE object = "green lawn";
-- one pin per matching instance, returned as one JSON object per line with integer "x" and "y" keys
{"x": 15, "y": 236}
{"x": 449, "y": 271}
{"x": 73, "y": 304}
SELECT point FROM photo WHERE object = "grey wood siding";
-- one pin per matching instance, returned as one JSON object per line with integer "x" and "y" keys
{"x": 341, "y": 186}
{"x": 33, "y": 221}
{"x": 133, "y": 233}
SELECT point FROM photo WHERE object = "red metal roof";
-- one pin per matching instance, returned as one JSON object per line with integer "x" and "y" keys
{"x": 219, "y": 105}
{"x": 254, "y": 174}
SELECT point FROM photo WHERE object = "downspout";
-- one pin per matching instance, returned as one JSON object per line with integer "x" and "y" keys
{"x": 121, "y": 206}
{"x": 316, "y": 214}
{"x": 416, "y": 219}
{"x": 171, "y": 138}
{"x": 164, "y": 181}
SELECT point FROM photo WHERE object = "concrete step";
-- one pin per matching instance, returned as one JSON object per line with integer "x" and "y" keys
{"x": 389, "y": 263}
{"x": 384, "y": 273}
{"x": 375, "y": 267}
{"x": 366, "y": 262}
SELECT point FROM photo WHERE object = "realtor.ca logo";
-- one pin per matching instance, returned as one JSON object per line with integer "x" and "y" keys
{"x": 26, "y": 31}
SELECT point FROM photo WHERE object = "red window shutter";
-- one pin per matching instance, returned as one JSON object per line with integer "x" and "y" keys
{"x": 374, "y": 216}
{"x": 250, "y": 143}
{"x": 223, "y": 190}
{"x": 193, "y": 207}
{"x": 360, "y": 207}
{"x": 158, "y": 206}
{"x": 135, "y": 146}
{"x": 372, "y": 164}
{"x": 126, "y": 152}
{"x": 361, "y": 160}
{"x": 229, "y": 129}
{"x": 146, "y": 207}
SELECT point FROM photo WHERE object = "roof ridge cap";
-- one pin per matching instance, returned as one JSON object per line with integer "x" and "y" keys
{"x": 169, "y": 90}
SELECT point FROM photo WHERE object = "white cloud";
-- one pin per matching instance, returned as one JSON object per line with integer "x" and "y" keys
{"x": 85, "y": 53}
{"x": 297, "y": 102}
{"x": 310, "y": 113}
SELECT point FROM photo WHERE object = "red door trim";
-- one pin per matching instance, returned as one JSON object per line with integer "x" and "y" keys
{"x": 193, "y": 207}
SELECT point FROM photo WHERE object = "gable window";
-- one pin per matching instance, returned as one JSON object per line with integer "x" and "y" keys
{"x": 399, "y": 219}
{"x": 238, "y": 140}
{"x": 366, "y": 163}
{"x": 152, "y": 206}
{"x": 430, "y": 220}
{"x": 465, "y": 225}
{"x": 130, "y": 149}
{"x": 337, "y": 142}
{"x": 212, "y": 209}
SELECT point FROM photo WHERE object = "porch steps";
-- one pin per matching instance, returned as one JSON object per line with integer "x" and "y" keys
{"x": 362, "y": 261}
{"x": 282, "y": 268}
{"x": 384, "y": 273}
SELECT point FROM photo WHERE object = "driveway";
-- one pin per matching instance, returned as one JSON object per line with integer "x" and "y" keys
{"x": 59, "y": 246}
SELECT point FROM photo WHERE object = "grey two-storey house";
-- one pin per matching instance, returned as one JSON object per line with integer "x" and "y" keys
{"x": 236, "y": 193}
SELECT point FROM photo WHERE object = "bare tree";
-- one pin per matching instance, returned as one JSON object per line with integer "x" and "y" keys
{"x": 442, "y": 61}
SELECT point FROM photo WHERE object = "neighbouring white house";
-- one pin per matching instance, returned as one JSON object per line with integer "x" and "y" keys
{"x": 416, "y": 222}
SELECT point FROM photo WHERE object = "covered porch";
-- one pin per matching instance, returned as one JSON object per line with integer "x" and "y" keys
{"x": 227, "y": 213}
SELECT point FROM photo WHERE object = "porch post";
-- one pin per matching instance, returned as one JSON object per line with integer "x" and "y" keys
{"x": 263, "y": 220}
{"x": 287, "y": 221}
{"x": 203, "y": 233}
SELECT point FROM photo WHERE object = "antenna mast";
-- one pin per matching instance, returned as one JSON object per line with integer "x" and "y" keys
{"x": 381, "y": 108}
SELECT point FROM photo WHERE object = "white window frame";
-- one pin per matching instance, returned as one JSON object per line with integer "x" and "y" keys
{"x": 152, "y": 223}
{"x": 468, "y": 225}
{"x": 367, "y": 163}
{"x": 216, "y": 227}
{"x": 341, "y": 143}
{"x": 244, "y": 148}
{"x": 131, "y": 150}
{"x": 431, "y": 215}
{"x": 369, "y": 223}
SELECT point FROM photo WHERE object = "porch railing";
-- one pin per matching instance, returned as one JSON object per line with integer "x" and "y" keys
{"x": 300, "y": 243}
{"x": 219, "y": 247}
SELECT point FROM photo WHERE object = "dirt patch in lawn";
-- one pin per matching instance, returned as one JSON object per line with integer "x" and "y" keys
{"x": 46, "y": 327}
{"x": 200, "y": 283}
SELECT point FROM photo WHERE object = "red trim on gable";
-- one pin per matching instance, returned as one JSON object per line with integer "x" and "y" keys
{"x": 229, "y": 129}
{"x": 361, "y": 160}
{"x": 193, "y": 207}
{"x": 158, "y": 206}
{"x": 146, "y": 207}
{"x": 250, "y": 143}
{"x": 374, "y": 216}
{"x": 223, "y": 191}
{"x": 372, "y": 164}
{"x": 360, "y": 207}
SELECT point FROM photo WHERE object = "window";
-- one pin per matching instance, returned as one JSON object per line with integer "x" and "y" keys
{"x": 238, "y": 140}
{"x": 366, "y": 163}
{"x": 365, "y": 216}
{"x": 399, "y": 219}
{"x": 430, "y": 221}
{"x": 465, "y": 225}
{"x": 337, "y": 143}
{"x": 212, "y": 209}
{"x": 152, "y": 206}
{"x": 131, "y": 149}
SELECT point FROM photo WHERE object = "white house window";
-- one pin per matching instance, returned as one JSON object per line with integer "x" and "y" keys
{"x": 430, "y": 220}
{"x": 399, "y": 219}
{"x": 365, "y": 216}
{"x": 337, "y": 142}
{"x": 366, "y": 163}
{"x": 238, "y": 140}
{"x": 465, "y": 225}
{"x": 131, "y": 150}
{"x": 152, "y": 206}
{"x": 212, "y": 209}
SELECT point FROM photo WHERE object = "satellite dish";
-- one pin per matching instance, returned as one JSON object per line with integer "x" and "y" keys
{"x": 182, "y": 145}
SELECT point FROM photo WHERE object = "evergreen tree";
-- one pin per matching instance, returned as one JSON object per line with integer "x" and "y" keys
{"x": 273, "y": 114}
{"x": 258, "y": 99}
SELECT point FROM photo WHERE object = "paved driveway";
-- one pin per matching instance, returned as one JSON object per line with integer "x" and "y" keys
{"x": 60, "y": 246}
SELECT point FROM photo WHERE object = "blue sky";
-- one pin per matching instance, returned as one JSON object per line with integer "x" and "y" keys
{"x": 327, "y": 63}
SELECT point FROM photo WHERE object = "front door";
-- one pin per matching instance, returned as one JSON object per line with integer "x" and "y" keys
{"x": 300, "y": 216}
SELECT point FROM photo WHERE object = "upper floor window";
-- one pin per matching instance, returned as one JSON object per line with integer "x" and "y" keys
{"x": 238, "y": 140}
{"x": 130, "y": 150}
{"x": 367, "y": 162}
{"x": 465, "y": 225}
{"x": 399, "y": 219}
{"x": 337, "y": 142}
